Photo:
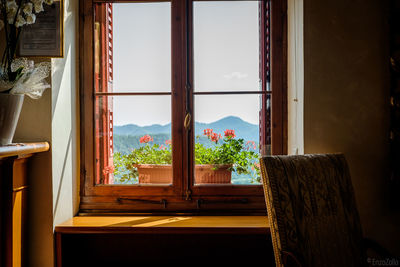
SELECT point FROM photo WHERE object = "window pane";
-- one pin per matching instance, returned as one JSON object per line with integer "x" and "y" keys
{"x": 141, "y": 47}
{"x": 226, "y": 46}
{"x": 133, "y": 140}
{"x": 227, "y": 139}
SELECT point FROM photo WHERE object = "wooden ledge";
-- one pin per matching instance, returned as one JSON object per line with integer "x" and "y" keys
{"x": 165, "y": 224}
{"x": 20, "y": 149}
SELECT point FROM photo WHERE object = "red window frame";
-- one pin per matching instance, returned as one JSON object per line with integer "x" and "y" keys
{"x": 103, "y": 81}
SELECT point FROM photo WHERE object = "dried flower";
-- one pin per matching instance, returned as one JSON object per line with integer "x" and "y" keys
{"x": 17, "y": 14}
{"x": 28, "y": 8}
{"x": 30, "y": 19}
{"x": 20, "y": 21}
{"x": 38, "y": 4}
{"x": 11, "y": 6}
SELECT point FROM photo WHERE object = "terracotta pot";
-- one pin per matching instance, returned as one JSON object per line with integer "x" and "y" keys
{"x": 154, "y": 174}
{"x": 10, "y": 108}
{"x": 212, "y": 174}
{"x": 204, "y": 174}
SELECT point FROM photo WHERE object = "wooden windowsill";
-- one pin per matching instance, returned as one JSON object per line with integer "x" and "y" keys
{"x": 165, "y": 224}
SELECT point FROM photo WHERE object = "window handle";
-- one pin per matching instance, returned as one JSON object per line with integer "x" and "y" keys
{"x": 188, "y": 119}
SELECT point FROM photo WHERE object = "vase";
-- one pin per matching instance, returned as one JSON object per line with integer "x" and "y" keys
{"x": 204, "y": 174}
{"x": 10, "y": 108}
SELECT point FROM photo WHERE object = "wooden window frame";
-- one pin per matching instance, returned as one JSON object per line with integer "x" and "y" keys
{"x": 182, "y": 197}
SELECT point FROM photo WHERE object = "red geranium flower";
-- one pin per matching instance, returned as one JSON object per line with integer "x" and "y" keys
{"x": 215, "y": 137}
{"x": 145, "y": 139}
{"x": 208, "y": 132}
{"x": 108, "y": 169}
{"x": 229, "y": 133}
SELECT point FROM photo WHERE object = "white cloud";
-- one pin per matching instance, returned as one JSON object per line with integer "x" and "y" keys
{"x": 236, "y": 75}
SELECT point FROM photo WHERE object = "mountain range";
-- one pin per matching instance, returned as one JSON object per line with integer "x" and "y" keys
{"x": 243, "y": 129}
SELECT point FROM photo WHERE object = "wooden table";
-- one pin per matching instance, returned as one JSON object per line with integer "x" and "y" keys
{"x": 14, "y": 174}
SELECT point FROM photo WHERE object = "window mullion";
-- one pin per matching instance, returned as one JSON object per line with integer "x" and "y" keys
{"x": 178, "y": 97}
{"x": 189, "y": 98}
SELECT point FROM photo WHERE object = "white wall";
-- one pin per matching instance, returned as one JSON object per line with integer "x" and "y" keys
{"x": 65, "y": 121}
{"x": 295, "y": 77}
{"x": 55, "y": 174}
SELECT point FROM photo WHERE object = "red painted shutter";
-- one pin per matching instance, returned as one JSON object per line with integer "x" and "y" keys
{"x": 104, "y": 104}
{"x": 265, "y": 112}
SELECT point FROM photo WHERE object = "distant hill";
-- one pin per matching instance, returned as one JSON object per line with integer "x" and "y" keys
{"x": 127, "y": 137}
{"x": 243, "y": 129}
{"x": 132, "y": 129}
{"x": 125, "y": 143}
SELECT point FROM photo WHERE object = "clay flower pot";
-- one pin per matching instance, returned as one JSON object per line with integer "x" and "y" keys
{"x": 204, "y": 174}
{"x": 154, "y": 174}
{"x": 213, "y": 174}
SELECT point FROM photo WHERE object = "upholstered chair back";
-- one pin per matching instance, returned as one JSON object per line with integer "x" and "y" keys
{"x": 312, "y": 211}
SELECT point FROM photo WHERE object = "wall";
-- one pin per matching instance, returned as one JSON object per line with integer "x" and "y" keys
{"x": 346, "y": 81}
{"x": 54, "y": 175}
{"x": 346, "y": 101}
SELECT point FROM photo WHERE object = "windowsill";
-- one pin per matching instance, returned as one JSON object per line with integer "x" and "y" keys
{"x": 165, "y": 224}
{"x": 157, "y": 240}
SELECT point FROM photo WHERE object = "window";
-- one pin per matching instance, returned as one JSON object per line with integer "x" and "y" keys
{"x": 178, "y": 101}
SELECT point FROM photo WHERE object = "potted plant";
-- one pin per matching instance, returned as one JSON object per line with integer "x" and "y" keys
{"x": 151, "y": 163}
{"x": 18, "y": 76}
{"x": 214, "y": 162}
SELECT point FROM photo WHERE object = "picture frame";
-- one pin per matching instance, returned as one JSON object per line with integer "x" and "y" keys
{"x": 44, "y": 38}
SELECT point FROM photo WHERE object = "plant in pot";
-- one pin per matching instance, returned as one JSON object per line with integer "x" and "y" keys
{"x": 18, "y": 76}
{"x": 215, "y": 164}
{"x": 151, "y": 163}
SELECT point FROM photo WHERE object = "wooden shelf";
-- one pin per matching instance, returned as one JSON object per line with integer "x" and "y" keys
{"x": 20, "y": 149}
{"x": 14, "y": 185}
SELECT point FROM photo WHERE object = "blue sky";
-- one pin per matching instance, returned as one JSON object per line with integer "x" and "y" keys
{"x": 226, "y": 50}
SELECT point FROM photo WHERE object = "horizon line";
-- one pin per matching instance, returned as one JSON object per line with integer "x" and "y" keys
{"x": 195, "y": 122}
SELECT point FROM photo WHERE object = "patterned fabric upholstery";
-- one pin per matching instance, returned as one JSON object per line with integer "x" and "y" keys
{"x": 312, "y": 210}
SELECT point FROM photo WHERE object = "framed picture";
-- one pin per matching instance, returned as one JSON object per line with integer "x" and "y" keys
{"x": 44, "y": 38}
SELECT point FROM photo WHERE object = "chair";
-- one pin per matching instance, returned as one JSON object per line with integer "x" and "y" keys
{"x": 312, "y": 211}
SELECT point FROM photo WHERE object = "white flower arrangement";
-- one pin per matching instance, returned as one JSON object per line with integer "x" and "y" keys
{"x": 21, "y": 76}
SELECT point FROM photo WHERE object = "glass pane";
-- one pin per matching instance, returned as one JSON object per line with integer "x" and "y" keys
{"x": 226, "y": 46}
{"x": 133, "y": 140}
{"x": 141, "y": 47}
{"x": 227, "y": 139}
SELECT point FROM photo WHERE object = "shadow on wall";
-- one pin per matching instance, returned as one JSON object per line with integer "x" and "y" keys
{"x": 64, "y": 120}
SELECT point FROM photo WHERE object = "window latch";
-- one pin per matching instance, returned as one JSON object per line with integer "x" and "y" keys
{"x": 186, "y": 123}
{"x": 188, "y": 195}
